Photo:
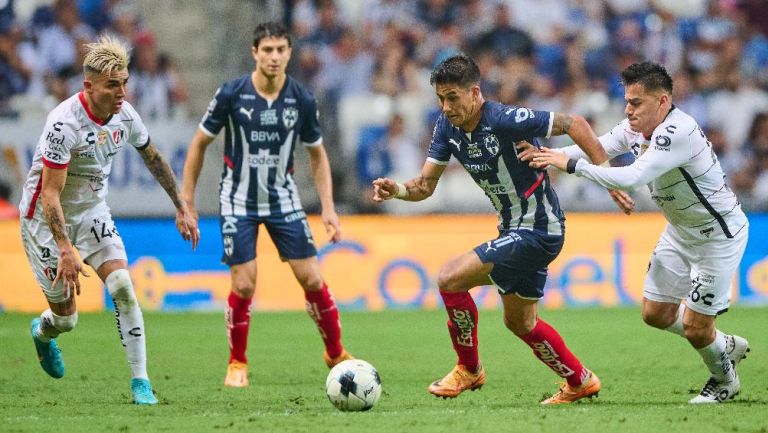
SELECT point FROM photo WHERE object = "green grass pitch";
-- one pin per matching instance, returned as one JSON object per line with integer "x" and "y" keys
{"x": 648, "y": 376}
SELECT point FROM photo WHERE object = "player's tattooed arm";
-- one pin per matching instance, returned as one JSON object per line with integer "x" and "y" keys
{"x": 50, "y": 199}
{"x": 186, "y": 217}
{"x": 561, "y": 124}
{"x": 162, "y": 172}
{"x": 579, "y": 130}
{"x": 420, "y": 188}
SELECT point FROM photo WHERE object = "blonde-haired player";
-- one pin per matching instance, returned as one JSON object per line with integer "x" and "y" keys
{"x": 63, "y": 208}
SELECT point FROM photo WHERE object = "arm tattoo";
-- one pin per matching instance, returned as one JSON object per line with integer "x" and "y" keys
{"x": 54, "y": 223}
{"x": 162, "y": 172}
{"x": 561, "y": 124}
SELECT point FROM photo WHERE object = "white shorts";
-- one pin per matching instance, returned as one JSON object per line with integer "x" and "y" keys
{"x": 93, "y": 235}
{"x": 699, "y": 272}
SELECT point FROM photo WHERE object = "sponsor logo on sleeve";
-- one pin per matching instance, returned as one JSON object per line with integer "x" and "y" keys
{"x": 662, "y": 143}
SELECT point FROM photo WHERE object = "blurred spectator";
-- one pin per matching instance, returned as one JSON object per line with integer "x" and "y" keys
{"x": 346, "y": 68}
{"x": 16, "y": 63}
{"x": 155, "y": 87}
{"x": 733, "y": 108}
{"x": 58, "y": 44}
{"x": 503, "y": 39}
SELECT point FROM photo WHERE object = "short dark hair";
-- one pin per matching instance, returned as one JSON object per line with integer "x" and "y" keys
{"x": 271, "y": 29}
{"x": 458, "y": 69}
{"x": 651, "y": 75}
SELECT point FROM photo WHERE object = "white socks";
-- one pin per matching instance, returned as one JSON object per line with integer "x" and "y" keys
{"x": 717, "y": 360}
{"x": 130, "y": 321}
{"x": 677, "y": 327}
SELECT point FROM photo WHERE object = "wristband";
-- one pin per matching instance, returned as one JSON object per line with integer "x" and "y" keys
{"x": 570, "y": 168}
{"x": 402, "y": 191}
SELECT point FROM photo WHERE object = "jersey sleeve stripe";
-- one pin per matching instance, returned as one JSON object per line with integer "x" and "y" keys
{"x": 314, "y": 143}
{"x": 551, "y": 122}
{"x": 435, "y": 161}
{"x": 144, "y": 146}
{"x": 50, "y": 164}
{"x": 205, "y": 131}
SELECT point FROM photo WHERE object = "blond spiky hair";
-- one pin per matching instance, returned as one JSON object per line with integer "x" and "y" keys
{"x": 105, "y": 56}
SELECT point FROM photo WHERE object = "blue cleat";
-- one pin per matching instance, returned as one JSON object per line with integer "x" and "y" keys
{"x": 48, "y": 354}
{"x": 142, "y": 392}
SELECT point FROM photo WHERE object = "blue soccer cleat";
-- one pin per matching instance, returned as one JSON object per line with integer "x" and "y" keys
{"x": 48, "y": 354}
{"x": 142, "y": 392}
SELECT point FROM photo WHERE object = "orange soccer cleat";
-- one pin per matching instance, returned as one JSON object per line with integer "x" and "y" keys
{"x": 237, "y": 375}
{"x": 569, "y": 394}
{"x": 331, "y": 362}
{"x": 457, "y": 381}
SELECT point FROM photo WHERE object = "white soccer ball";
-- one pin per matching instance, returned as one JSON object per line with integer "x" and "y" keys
{"x": 353, "y": 385}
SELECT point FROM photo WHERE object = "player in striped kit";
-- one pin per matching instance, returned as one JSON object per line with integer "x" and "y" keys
{"x": 482, "y": 135}
{"x": 63, "y": 207}
{"x": 689, "y": 276}
{"x": 265, "y": 114}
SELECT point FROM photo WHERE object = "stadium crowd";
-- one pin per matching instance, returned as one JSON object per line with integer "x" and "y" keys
{"x": 368, "y": 62}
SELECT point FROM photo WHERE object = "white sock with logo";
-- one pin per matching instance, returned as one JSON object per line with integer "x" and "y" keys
{"x": 130, "y": 321}
{"x": 717, "y": 360}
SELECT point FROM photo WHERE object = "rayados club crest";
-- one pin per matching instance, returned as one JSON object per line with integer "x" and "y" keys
{"x": 290, "y": 116}
{"x": 491, "y": 143}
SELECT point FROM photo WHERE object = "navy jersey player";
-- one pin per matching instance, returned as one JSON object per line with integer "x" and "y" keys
{"x": 689, "y": 276}
{"x": 482, "y": 135}
{"x": 265, "y": 114}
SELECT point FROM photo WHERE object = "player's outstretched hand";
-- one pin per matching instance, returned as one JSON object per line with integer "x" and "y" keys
{"x": 545, "y": 157}
{"x": 67, "y": 271}
{"x": 384, "y": 189}
{"x": 525, "y": 150}
{"x": 332, "y": 225}
{"x": 186, "y": 224}
{"x": 623, "y": 200}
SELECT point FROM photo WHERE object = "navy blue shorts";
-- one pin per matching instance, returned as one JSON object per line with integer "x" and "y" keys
{"x": 290, "y": 233}
{"x": 520, "y": 259}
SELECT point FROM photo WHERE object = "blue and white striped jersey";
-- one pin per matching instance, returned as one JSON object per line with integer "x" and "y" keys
{"x": 260, "y": 137}
{"x": 522, "y": 196}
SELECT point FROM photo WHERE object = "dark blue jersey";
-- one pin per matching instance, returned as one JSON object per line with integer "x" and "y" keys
{"x": 260, "y": 137}
{"x": 523, "y": 196}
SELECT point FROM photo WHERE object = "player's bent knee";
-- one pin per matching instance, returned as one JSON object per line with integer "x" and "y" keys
{"x": 64, "y": 323}
{"x": 121, "y": 289}
{"x": 518, "y": 325}
{"x": 447, "y": 281}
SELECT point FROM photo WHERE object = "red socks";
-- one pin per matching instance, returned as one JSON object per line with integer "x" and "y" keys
{"x": 237, "y": 317}
{"x": 550, "y": 348}
{"x": 322, "y": 309}
{"x": 462, "y": 326}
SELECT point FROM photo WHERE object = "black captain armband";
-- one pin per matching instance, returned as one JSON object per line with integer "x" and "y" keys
{"x": 570, "y": 168}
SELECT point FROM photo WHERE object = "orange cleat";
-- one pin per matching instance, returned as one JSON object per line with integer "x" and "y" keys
{"x": 331, "y": 362}
{"x": 457, "y": 381}
{"x": 569, "y": 394}
{"x": 237, "y": 375}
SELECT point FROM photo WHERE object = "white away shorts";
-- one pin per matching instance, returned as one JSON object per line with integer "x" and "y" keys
{"x": 700, "y": 272}
{"x": 93, "y": 235}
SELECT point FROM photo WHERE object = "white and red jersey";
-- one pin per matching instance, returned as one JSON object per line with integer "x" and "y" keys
{"x": 75, "y": 139}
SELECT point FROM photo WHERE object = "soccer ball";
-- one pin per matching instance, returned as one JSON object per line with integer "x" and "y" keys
{"x": 353, "y": 385}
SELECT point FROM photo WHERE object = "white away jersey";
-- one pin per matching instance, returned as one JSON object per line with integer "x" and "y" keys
{"x": 682, "y": 171}
{"x": 75, "y": 139}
